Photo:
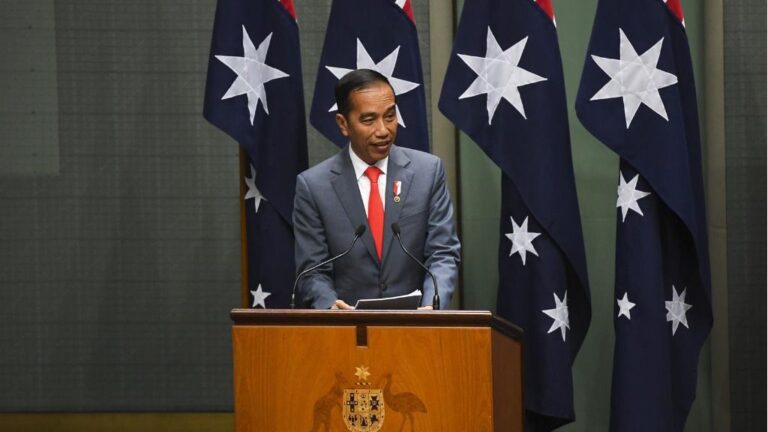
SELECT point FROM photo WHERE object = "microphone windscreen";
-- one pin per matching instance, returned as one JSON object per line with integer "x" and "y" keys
{"x": 360, "y": 230}
{"x": 395, "y": 228}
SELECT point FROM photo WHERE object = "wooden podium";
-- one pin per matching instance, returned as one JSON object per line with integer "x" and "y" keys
{"x": 318, "y": 371}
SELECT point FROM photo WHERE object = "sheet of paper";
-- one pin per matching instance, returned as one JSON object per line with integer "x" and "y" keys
{"x": 409, "y": 301}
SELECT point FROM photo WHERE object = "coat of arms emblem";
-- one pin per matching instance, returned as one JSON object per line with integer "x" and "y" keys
{"x": 363, "y": 407}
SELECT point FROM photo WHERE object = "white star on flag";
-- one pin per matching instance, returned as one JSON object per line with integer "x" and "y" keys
{"x": 498, "y": 75}
{"x": 676, "y": 310}
{"x": 252, "y": 73}
{"x": 385, "y": 67}
{"x": 253, "y": 192}
{"x": 634, "y": 78}
{"x": 624, "y": 307}
{"x": 629, "y": 195}
{"x": 559, "y": 314}
{"x": 522, "y": 239}
{"x": 259, "y": 297}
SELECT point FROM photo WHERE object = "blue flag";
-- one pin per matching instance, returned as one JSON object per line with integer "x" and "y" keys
{"x": 378, "y": 35}
{"x": 504, "y": 88}
{"x": 637, "y": 96}
{"x": 254, "y": 94}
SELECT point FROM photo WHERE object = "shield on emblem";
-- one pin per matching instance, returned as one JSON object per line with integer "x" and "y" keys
{"x": 363, "y": 409}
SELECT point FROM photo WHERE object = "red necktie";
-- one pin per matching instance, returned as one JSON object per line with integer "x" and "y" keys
{"x": 375, "y": 209}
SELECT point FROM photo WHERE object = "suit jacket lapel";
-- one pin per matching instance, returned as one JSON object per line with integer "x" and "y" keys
{"x": 397, "y": 170}
{"x": 345, "y": 186}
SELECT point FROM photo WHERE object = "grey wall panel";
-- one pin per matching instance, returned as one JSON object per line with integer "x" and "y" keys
{"x": 118, "y": 270}
{"x": 745, "y": 129}
{"x": 29, "y": 135}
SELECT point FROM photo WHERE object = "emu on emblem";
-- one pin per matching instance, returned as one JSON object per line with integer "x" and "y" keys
{"x": 363, "y": 410}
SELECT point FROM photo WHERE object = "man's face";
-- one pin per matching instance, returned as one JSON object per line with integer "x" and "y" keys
{"x": 371, "y": 124}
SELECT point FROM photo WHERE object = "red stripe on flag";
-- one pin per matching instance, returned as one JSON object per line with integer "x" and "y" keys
{"x": 288, "y": 5}
{"x": 408, "y": 9}
{"x": 546, "y": 6}
{"x": 676, "y": 7}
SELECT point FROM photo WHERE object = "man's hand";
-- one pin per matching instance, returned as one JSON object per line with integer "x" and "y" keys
{"x": 425, "y": 308}
{"x": 341, "y": 304}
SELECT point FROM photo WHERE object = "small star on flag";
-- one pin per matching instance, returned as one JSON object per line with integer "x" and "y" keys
{"x": 559, "y": 314}
{"x": 253, "y": 192}
{"x": 676, "y": 310}
{"x": 259, "y": 297}
{"x": 522, "y": 239}
{"x": 624, "y": 307}
{"x": 629, "y": 195}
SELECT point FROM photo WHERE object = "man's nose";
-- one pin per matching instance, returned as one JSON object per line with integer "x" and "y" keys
{"x": 381, "y": 129}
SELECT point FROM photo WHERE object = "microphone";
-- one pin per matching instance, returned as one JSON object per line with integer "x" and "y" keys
{"x": 358, "y": 232}
{"x": 436, "y": 297}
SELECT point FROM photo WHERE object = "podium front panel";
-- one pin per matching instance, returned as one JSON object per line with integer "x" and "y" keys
{"x": 375, "y": 378}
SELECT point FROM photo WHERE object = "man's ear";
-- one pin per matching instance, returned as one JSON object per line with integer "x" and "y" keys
{"x": 342, "y": 122}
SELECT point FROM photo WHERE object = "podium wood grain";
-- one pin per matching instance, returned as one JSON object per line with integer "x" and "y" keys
{"x": 292, "y": 377}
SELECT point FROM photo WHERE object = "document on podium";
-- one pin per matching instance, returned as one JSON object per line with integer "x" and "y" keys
{"x": 409, "y": 301}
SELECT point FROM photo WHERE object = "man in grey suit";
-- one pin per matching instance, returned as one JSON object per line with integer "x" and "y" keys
{"x": 374, "y": 183}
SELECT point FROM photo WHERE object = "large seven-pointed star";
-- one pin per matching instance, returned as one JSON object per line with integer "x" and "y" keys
{"x": 521, "y": 239}
{"x": 252, "y": 73}
{"x": 559, "y": 314}
{"x": 634, "y": 78}
{"x": 676, "y": 309}
{"x": 385, "y": 67}
{"x": 628, "y": 195}
{"x": 253, "y": 192}
{"x": 498, "y": 75}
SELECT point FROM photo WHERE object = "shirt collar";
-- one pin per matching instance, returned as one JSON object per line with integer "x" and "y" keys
{"x": 360, "y": 166}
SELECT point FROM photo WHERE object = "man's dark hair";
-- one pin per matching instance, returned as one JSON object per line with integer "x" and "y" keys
{"x": 353, "y": 81}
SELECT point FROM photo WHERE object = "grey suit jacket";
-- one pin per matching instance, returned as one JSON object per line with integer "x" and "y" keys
{"x": 328, "y": 209}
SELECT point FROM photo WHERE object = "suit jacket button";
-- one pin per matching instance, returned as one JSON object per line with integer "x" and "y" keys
{"x": 383, "y": 286}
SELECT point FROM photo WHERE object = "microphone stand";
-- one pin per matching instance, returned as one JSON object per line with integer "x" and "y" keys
{"x": 358, "y": 232}
{"x": 436, "y": 296}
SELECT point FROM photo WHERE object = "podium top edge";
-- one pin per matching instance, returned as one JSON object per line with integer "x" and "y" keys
{"x": 312, "y": 317}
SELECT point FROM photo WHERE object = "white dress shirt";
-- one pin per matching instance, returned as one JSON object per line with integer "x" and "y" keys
{"x": 362, "y": 181}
